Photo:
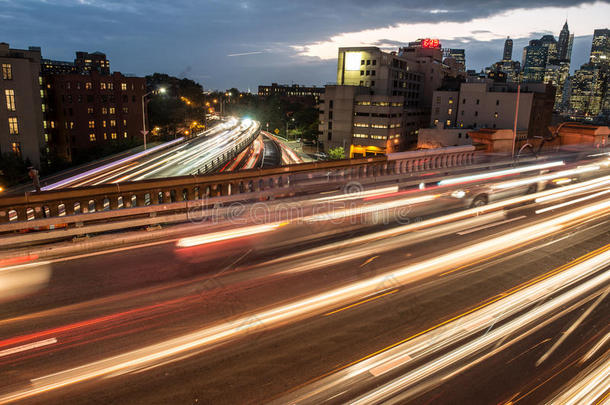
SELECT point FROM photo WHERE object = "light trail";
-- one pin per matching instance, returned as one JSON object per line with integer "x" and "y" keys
{"x": 436, "y": 339}
{"x": 318, "y": 304}
{"x": 498, "y": 173}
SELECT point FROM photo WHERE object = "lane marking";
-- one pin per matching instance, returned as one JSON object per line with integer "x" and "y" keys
{"x": 361, "y": 302}
{"x": 29, "y": 346}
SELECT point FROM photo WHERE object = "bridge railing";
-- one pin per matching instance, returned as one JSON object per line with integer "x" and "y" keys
{"x": 113, "y": 197}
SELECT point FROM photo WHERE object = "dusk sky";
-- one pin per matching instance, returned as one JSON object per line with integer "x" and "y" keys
{"x": 223, "y": 43}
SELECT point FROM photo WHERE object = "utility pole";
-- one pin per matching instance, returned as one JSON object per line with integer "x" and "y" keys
{"x": 516, "y": 117}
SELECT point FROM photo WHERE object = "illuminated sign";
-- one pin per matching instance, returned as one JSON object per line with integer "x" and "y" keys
{"x": 352, "y": 60}
{"x": 430, "y": 43}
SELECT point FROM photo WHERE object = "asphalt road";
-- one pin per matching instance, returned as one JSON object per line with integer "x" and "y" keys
{"x": 266, "y": 315}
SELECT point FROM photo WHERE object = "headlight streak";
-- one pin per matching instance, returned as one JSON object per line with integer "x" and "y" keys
{"x": 229, "y": 234}
{"x": 572, "y": 202}
{"x": 531, "y": 180}
{"x": 499, "y": 173}
{"x": 317, "y": 304}
{"x": 437, "y": 339}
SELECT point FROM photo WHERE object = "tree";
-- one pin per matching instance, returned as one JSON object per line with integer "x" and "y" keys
{"x": 336, "y": 153}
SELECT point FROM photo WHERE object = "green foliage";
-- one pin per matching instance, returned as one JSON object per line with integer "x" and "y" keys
{"x": 13, "y": 170}
{"x": 336, "y": 153}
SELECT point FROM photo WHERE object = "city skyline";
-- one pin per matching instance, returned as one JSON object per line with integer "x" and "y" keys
{"x": 221, "y": 54}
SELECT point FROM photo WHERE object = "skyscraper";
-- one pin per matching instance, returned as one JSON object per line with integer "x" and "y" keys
{"x": 600, "y": 48}
{"x": 508, "y": 49}
{"x": 535, "y": 57}
{"x": 564, "y": 43}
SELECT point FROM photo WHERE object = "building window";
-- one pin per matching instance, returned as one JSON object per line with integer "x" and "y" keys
{"x": 113, "y": 135}
{"x": 124, "y": 123}
{"x": 372, "y": 72}
{"x": 450, "y": 100}
{"x": 13, "y": 126}
{"x": 435, "y": 122}
{"x": 7, "y": 72}
{"x": 92, "y": 137}
{"x": 16, "y": 148}
{"x": 362, "y": 73}
{"x": 102, "y": 86}
{"x": 478, "y": 101}
{"x": 104, "y": 110}
{"x": 125, "y": 134}
{"x": 123, "y": 86}
{"x": 104, "y": 124}
{"x": 105, "y": 136}
{"x": 497, "y": 102}
{"x": 438, "y": 100}
{"x": 462, "y": 112}
{"x": 495, "y": 115}
{"x": 463, "y": 101}
{"x": 10, "y": 99}
{"x": 368, "y": 72}
{"x": 113, "y": 123}
{"x": 125, "y": 110}
{"x": 88, "y": 86}
{"x": 448, "y": 123}
{"x": 374, "y": 62}
{"x": 89, "y": 110}
{"x": 450, "y": 111}
{"x": 476, "y": 113}
{"x": 91, "y": 124}
{"x": 110, "y": 86}
{"x": 361, "y": 136}
{"x": 112, "y": 110}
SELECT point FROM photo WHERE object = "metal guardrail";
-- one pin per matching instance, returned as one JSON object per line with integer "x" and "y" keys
{"x": 113, "y": 198}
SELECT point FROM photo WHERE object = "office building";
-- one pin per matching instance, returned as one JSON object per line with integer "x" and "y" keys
{"x": 535, "y": 57}
{"x": 381, "y": 98}
{"x": 600, "y": 47}
{"x": 458, "y": 55}
{"x": 21, "y": 109}
{"x": 590, "y": 95}
{"x": 488, "y": 104}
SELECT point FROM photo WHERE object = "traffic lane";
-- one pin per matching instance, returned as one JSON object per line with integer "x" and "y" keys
{"x": 517, "y": 375}
{"x": 97, "y": 274}
{"x": 268, "y": 363}
{"x": 251, "y": 272}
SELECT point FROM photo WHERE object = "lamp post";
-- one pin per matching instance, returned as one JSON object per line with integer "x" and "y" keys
{"x": 144, "y": 131}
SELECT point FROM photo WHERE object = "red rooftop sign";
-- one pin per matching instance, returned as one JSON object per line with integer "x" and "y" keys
{"x": 430, "y": 43}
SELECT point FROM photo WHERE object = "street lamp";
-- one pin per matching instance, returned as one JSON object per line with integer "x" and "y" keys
{"x": 144, "y": 131}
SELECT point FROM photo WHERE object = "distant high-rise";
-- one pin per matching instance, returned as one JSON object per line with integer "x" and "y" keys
{"x": 600, "y": 48}
{"x": 459, "y": 55}
{"x": 535, "y": 57}
{"x": 508, "y": 49}
{"x": 564, "y": 44}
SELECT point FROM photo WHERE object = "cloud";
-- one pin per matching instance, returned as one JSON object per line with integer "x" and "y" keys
{"x": 547, "y": 20}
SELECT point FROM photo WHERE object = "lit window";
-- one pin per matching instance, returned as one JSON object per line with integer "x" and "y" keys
{"x": 10, "y": 99}
{"x": 123, "y": 86}
{"x": 44, "y": 108}
{"x": 110, "y": 86}
{"x": 71, "y": 124}
{"x": 495, "y": 115}
{"x": 52, "y": 124}
{"x": 112, "y": 110}
{"x": 90, "y": 110}
{"x": 16, "y": 148}
{"x": 7, "y": 71}
{"x": 448, "y": 122}
{"x": 104, "y": 123}
{"x": 88, "y": 86}
{"x": 124, "y": 123}
{"x": 113, "y": 123}
{"x": 450, "y": 100}
{"x": 125, "y": 134}
{"x": 41, "y": 93}
{"x": 450, "y": 111}
{"x": 361, "y": 136}
{"x": 102, "y": 86}
{"x": 125, "y": 110}
{"x": 104, "y": 110}
{"x": 91, "y": 124}
{"x": 92, "y": 137}
{"x": 113, "y": 135}
{"x": 105, "y": 136}
{"x": 13, "y": 126}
